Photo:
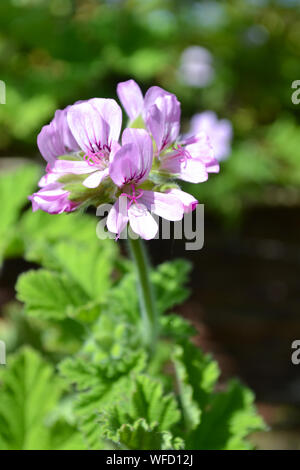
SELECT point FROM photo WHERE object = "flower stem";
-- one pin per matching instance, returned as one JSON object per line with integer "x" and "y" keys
{"x": 146, "y": 297}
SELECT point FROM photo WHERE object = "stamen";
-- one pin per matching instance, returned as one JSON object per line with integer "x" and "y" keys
{"x": 183, "y": 153}
{"x": 94, "y": 158}
{"x": 134, "y": 196}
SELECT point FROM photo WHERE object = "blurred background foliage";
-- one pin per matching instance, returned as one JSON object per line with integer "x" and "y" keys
{"x": 55, "y": 52}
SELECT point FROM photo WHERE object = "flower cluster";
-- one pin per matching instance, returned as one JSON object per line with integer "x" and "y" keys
{"x": 88, "y": 162}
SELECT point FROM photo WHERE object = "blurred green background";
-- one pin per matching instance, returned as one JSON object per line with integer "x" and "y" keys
{"x": 246, "y": 304}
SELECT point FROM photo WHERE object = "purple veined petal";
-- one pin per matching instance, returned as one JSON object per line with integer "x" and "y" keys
{"x": 163, "y": 121}
{"x": 130, "y": 164}
{"x": 142, "y": 222}
{"x": 118, "y": 216}
{"x": 87, "y": 126}
{"x": 93, "y": 180}
{"x": 188, "y": 201}
{"x": 164, "y": 205}
{"x": 56, "y": 139}
{"x": 95, "y": 123}
{"x": 131, "y": 97}
{"x": 111, "y": 114}
{"x": 191, "y": 170}
{"x": 143, "y": 142}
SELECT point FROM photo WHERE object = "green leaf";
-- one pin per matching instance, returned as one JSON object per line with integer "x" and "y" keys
{"x": 169, "y": 280}
{"x": 176, "y": 327}
{"x": 230, "y": 418}
{"x": 41, "y": 231}
{"x": 144, "y": 419}
{"x": 15, "y": 187}
{"x": 98, "y": 386}
{"x": 90, "y": 265}
{"x": 29, "y": 392}
{"x": 49, "y": 295}
{"x": 141, "y": 436}
{"x": 111, "y": 336}
{"x": 196, "y": 377}
{"x": 124, "y": 298}
{"x": 149, "y": 402}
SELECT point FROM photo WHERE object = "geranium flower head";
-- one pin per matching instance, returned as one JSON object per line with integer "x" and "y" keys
{"x": 88, "y": 164}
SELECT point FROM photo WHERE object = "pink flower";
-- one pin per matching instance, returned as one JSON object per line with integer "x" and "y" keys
{"x": 129, "y": 169}
{"x": 219, "y": 132}
{"x": 191, "y": 160}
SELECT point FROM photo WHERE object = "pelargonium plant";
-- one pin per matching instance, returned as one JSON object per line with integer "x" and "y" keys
{"x": 130, "y": 354}
{"x": 88, "y": 163}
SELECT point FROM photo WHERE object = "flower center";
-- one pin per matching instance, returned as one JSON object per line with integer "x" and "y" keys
{"x": 97, "y": 157}
{"x": 133, "y": 198}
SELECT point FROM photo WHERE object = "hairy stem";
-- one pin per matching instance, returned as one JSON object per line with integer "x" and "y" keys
{"x": 146, "y": 297}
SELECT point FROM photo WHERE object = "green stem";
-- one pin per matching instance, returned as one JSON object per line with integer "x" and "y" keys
{"x": 146, "y": 297}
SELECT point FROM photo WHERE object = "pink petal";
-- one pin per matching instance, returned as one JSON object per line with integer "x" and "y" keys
{"x": 201, "y": 149}
{"x": 143, "y": 142}
{"x": 95, "y": 123}
{"x": 219, "y": 132}
{"x": 131, "y": 97}
{"x": 111, "y": 114}
{"x": 142, "y": 222}
{"x": 151, "y": 96}
{"x": 191, "y": 170}
{"x": 75, "y": 167}
{"x": 93, "y": 180}
{"x": 188, "y": 201}
{"x": 164, "y": 205}
{"x": 118, "y": 216}
{"x": 163, "y": 120}
{"x": 132, "y": 163}
{"x": 56, "y": 139}
{"x": 50, "y": 144}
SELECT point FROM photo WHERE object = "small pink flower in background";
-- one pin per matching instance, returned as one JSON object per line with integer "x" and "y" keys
{"x": 86, "y": 163}
{"x": 196, "y": 67}
{"x": 218, "y": 131}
